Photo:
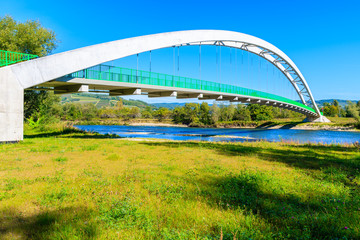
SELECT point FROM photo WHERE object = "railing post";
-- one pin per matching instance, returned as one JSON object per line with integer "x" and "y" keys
{"x": 6, "y": 58}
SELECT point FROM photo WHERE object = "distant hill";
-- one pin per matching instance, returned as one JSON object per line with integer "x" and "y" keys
{"x": 168, "y": 105}
{"x": 101, "y": 100}
{"x": 320, "y": 103}
{"x": 342, "y": 102}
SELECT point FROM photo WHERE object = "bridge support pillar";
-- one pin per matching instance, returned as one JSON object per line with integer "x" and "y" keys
{"x": 322, "y": 119}
{"x": 11, "y": 108}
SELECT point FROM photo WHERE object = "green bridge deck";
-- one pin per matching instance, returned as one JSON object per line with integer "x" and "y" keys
{"x": 8, "y": 58}
{"x": 118, "y": 74}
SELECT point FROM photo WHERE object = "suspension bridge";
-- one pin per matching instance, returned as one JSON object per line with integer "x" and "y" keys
{"x": 83, "y": 70}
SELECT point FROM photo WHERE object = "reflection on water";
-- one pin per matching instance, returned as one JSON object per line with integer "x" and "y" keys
{"x": 229, "y": 134}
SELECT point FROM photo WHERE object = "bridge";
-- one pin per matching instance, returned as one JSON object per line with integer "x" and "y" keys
{"x": 83, "y": 70}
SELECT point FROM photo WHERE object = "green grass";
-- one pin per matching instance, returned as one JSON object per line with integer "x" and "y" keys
{"x": 120, "y": 189}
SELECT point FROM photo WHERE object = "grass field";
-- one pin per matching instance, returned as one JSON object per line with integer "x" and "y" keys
{"x": 71, "y": 185}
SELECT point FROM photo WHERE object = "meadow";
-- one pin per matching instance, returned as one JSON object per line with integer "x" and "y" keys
{"x": 67, "y": 184}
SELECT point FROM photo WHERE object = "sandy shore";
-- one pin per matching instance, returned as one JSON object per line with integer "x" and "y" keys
{"x": 157, "y": 124}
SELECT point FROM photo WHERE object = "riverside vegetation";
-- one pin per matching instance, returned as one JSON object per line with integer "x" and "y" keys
{"x": 44, "y": 108}
{"x": 66, "y": 184}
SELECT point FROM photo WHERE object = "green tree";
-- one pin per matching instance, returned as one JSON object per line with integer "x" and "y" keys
{"x": 38, "y": 104}
{"x": 162, "y": 113}
{"x": 178, "y": 115}
{"x": 28, "y": 37}
{"x": 89, "y": 111}
{"x": 205, "y": 115}
{"x": 134, "y": 112}
{"x": 352, "y": 110}
{"x": 260, "y": 112}
{"x": 147, "y": 112}
{"x": 215, "y": 113}
{"x": 330, "y": 111}
{"x": 242, "y": 113}
{"x": 227, "y": 113}
{"x": 72, "y": 111}
{"x": 191, "y": 113}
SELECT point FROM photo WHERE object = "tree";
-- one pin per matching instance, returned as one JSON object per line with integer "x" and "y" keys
{"x": 352, "y": 110}
{"x": 215, "y": 113}
{"x": 205, "y": 116}
{"x": 227, "y": 113}
{"x": 32, "y": 38}
{"x": 178, "y": 115}
{"x": 39, "y": 104}
{"x": 191, "y": 113}
{"x": 134, "y": 112}
{"x": 260, "y": 112}
{"x": 28, "y": 37}
{"x": 242, "y": 113}
{"x": 147, "y": 112}
{"x": 162, "y": 113}
{"x": 330, "y": 111}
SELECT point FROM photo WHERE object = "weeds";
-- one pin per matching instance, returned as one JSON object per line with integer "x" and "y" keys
{"x": 60, "y": 159}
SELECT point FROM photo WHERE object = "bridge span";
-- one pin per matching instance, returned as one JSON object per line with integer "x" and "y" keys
{"x": 74, "y": 71}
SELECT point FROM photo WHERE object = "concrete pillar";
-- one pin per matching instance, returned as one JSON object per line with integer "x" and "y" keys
{"x": 11, "y": 108}
{"x": 322, "y": 119}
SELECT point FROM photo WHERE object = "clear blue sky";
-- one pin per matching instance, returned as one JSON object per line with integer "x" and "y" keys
{"x": 321, "y": 37}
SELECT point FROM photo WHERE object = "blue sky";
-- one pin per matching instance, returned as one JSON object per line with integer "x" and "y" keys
{"x": 321, "y": 37}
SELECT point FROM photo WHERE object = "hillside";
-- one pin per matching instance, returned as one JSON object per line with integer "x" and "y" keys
{"x": 101, "y": 100}
{"x": 342, "y": 102}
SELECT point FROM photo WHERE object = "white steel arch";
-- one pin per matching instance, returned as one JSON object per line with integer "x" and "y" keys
{"x": 55, "y": 66}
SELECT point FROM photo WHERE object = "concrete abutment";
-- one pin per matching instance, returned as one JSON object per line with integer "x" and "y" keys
{"x": 11, "y": 108}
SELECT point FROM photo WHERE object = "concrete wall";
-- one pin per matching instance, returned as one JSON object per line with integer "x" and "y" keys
{"x": 11, "y": 107}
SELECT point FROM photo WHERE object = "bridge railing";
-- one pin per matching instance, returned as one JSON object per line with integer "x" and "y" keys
{"x": 8, "y": 57}
{"x": 117, "y": 74}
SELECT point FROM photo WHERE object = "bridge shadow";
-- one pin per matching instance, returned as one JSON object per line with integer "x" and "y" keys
{"x": 287, "y": 213}
{"x": 49, "y": 224}
{"x": 71, "y": 133}
{"x": 270, "y": 124}
{"x": 302, "y": 156}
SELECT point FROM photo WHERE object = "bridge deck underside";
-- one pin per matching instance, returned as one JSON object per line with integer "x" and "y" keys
{"x": 66, "y": 84}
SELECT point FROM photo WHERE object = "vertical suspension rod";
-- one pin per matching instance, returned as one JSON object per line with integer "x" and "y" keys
{"x": 137, "y": 67}
{"x": 150, "y": 61}
{"x": 200, "y": 60}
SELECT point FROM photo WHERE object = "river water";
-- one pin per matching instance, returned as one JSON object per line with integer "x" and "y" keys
{"x": 227, "y": 134}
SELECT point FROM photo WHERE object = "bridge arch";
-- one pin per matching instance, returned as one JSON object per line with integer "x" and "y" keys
{"x": 58, "y": 65}
{"x": 31, "y": 73}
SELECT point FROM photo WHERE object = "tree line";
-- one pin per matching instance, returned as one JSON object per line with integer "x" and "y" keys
{"x": 45, "y": 107}
{"x": 334, "y": 109}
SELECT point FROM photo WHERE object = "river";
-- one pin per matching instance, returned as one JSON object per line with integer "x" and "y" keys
{"x": 225, "y": 134}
